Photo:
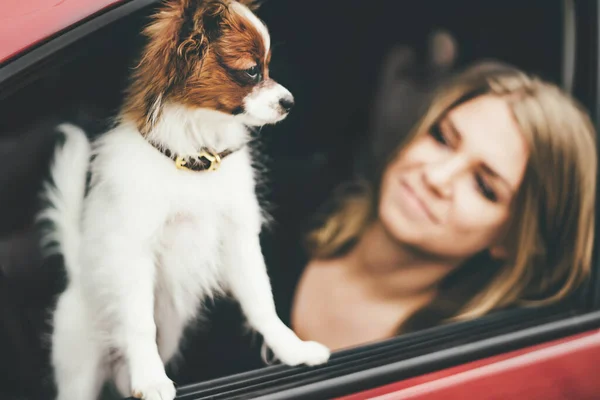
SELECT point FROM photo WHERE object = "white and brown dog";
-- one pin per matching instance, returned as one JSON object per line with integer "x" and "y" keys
{"x": 171, "y": 215}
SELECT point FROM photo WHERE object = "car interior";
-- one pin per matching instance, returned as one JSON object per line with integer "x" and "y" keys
{"x": 340, "y": 60}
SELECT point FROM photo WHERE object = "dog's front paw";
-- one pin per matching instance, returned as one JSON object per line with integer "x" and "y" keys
{"x": 159, "y": 389}
{"x": 309, "y": 353}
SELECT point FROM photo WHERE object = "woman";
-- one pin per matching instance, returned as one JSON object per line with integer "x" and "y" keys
{"x": 487, "y": 204}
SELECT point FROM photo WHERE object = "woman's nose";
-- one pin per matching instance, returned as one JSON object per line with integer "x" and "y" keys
{"x": 439, "y": 176}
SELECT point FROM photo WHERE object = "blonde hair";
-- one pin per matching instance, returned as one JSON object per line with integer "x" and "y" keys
{"x": 551, "y": 233}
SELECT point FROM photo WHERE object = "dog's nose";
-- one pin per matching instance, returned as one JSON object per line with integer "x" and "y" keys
{"x": 286, "y": 103}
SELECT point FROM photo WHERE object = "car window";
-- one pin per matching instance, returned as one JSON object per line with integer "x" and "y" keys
{"x": 362, "y": 74}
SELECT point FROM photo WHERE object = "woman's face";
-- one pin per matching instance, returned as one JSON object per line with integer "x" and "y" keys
{"x": 449, "y": 192}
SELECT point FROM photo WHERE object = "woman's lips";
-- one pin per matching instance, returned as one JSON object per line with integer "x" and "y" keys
{"x": 416, "y": 203}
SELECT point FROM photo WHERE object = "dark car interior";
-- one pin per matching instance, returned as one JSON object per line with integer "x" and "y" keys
{"x": 331, "y": 56}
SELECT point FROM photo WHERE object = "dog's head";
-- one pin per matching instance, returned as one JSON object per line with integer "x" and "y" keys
{"x": 210, "y": 54}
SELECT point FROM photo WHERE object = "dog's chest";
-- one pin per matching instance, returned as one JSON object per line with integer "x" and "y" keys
{"x": 194, "y": 235}
{"x": 189, "y": 263}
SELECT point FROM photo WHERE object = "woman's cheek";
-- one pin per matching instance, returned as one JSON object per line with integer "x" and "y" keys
{"x": 473, "y": 216}
{"x": 468, "y": 213}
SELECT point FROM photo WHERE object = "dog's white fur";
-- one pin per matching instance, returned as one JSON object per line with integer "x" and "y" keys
{"x": 149, "y": 242}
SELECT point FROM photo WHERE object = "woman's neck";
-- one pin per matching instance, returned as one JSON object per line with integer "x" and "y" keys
{"x": 393, "y": 270}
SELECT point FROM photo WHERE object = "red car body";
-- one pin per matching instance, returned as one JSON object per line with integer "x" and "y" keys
{"x": 23, "y": 24}
{"x": 562, "y": 369}
{"x": 555, "y": 370}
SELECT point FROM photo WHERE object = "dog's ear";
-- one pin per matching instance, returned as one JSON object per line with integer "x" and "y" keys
{"x": 201, "y": 24}
{"x": 179, "y": 37}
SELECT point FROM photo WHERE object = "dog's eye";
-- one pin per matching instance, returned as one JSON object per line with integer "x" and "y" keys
{"x": 252, "y": 72}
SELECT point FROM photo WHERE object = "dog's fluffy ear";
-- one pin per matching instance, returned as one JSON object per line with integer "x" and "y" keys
{"x": 201, "y": 25}
{"x": 179, "y": 38}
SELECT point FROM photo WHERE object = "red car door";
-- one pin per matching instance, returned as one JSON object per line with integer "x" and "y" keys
{"x": 563, "y": 369}
{"x": 26, "y": 23}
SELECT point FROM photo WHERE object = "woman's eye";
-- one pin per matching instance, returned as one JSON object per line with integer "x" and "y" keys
{"x": 437, "y": 134}
{"x": 485, "y": 189}
{"x": 252, "y": 72}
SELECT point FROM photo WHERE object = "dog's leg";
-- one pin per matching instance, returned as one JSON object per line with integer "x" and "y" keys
{"x": 249, "y": 283}
{"x": 79, "y": 371}
{"x": 135, "y": 325}
{"x": 121, "y": 377}
{"x": 170, "y": 331}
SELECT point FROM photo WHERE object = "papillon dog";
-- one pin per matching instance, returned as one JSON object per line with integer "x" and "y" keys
{"x": 169, "y": 215}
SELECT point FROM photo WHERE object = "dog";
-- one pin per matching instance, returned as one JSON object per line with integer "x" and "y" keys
{"x": 170, "y": 216}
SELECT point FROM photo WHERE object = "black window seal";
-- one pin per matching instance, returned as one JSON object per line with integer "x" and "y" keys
{"x": 393, "y": 372}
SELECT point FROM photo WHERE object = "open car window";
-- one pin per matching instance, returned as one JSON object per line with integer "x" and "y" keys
{"x": 332, "y": 57}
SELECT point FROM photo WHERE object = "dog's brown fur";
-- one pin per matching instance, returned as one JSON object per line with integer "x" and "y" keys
{"x": 196, "y": 55}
